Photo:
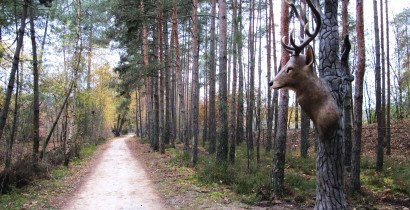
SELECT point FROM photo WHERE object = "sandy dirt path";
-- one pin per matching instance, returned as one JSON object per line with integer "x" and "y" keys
{"x": 118, "y": 181}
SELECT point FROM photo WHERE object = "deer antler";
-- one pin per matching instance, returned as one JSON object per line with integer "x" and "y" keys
{"x": 293, "y": 48}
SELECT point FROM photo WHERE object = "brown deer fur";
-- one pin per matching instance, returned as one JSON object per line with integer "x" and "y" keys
{"x": 313, "y": 95}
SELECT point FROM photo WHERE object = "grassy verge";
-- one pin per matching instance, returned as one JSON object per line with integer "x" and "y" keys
{"x": 37, "y": 194}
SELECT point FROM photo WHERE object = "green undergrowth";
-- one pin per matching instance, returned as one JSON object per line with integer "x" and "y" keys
{"x": 251, "y": 183}
{"x": 37, "y": 194}
{"x": 394, "y": 179}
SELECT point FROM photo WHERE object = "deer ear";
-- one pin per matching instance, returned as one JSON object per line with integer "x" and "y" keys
{"x": 310, "y": 56}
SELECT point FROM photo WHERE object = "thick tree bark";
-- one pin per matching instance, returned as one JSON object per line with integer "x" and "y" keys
{"x": 222, "y": 151}
{"x": 195, "y": 82}
{"x": 212, "y": 123}
{"x": 347, "y": 112}
{"x": 278, "y": 171}
{"x": 379, "y": 113}
{"x": 14, "y": 67}
{"x": 358, "y": 96}
{"x": 329, "y": 157}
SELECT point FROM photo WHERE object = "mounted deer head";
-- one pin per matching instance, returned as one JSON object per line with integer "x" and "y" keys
{"x": 299, "y": 75}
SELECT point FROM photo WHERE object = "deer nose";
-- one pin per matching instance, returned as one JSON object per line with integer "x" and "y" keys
{"x": 271, "y": 83}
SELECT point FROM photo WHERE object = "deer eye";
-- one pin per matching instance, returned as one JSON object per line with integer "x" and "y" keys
{"x": 289, "y": 69}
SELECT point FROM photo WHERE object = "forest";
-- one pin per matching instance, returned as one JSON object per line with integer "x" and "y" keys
{"x": 296, "y": 104}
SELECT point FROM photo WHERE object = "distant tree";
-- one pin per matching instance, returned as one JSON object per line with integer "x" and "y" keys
{"x": 388, "y": 135}
{"x": 36, "y": 94}
{"x": 212, "y": 72}
{"x": 240, "y": 112}
{"x": 195, "y": 82}
{"x": 251, "y": 93}
{"x": 379, "y": 114}
{"x": 269, "y": 120}
{"x": 233, "y": 107}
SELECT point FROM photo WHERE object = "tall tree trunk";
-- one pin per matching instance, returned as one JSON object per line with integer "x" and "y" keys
{"x": 240, "y": 111}
{"x": 171, "y": 93}
{"x": 329, "y": 156}
{"x": 179, "y": 75}
{"x": 161, "y": 81}
{"x": 383, "y": 75}
{"x": 251, "y": 99}
{"x": 195, "y": 82}
{"x": 222, "y": 151}
{"x": 379, "y": 113}
{"x": 36, "y": 102}
{"x": 14, "y": 67}
{"x": 269, "y": 119}
{"x": 358, "y": 96}
{"x": 304, "y": 119}
{"x": 388, "y": 135}
{"x": 206, "y": 73}
{"x": 259, "y": 100}
{"x": 232, "y": 131}
{"x": 347, "y": 112}
{"x": 148, "y": 97}
{"x": 278, "y": 171}
{"x": 275, "y": 67}
{"x": 72, "y": 126}
{"x": 168, "y": 137}
{"x": 212, "y": 123}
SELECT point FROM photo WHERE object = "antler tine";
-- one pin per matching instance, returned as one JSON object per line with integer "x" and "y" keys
{"x": 309, "y": 36}
{"x": 288, "y": 48}
{"x": 293, "y": 6}
{"x": 297, "y": 48}
{"x": 318, "y": 20}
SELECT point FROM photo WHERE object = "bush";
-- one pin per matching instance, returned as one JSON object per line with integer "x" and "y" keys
{"x": 22, "y": 172}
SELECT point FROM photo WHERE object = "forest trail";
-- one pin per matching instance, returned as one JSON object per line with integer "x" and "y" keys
{"x": 118, "y": 181}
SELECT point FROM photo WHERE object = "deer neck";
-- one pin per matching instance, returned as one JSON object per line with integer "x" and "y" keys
{"x": 312, "y": 95}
